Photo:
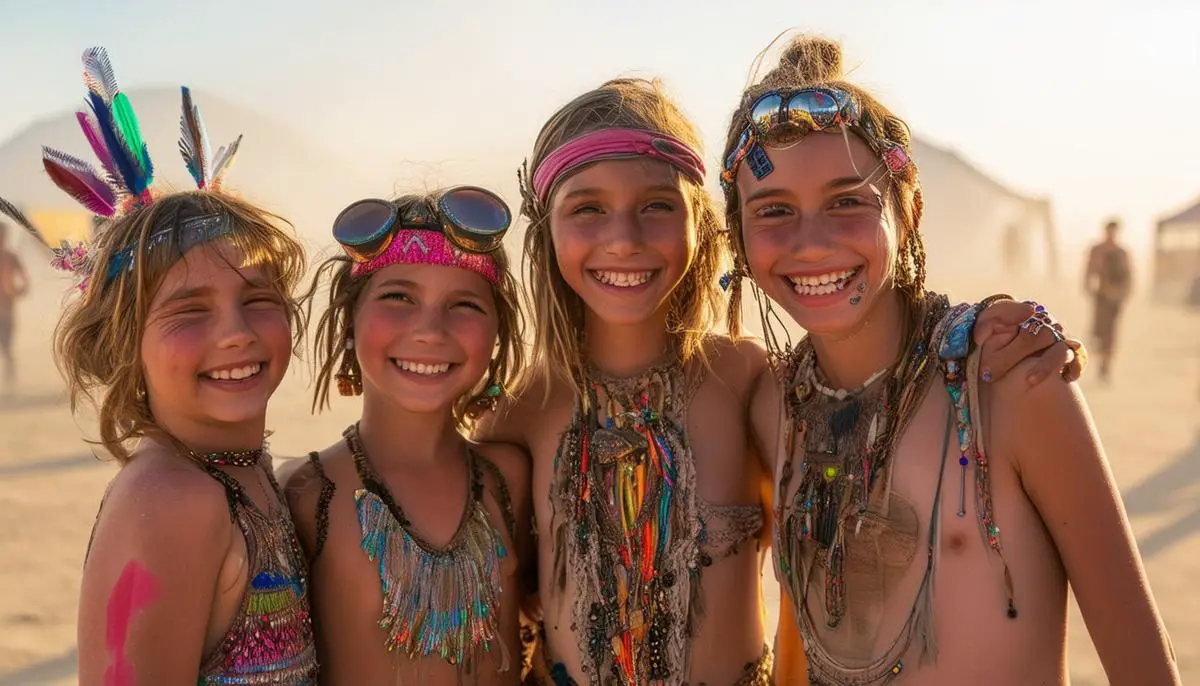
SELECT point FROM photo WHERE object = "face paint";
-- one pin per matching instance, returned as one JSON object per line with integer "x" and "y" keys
{"x": 134, "y": 590}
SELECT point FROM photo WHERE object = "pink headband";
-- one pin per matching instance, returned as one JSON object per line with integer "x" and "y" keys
{"x": 422, "y": 246}
{"x": 607, "y": 144}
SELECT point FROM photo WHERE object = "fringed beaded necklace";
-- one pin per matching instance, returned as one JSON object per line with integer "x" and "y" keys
{"x": 436, "y": 601}
{"x": 626, "y": 526}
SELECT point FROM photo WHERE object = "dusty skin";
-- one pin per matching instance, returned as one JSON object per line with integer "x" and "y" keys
{"x": 1056, "y": 474}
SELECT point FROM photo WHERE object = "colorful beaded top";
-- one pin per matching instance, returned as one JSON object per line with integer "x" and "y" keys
{"x": 270, "y": 641}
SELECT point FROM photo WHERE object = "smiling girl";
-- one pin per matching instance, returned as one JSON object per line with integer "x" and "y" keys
{"x": 183, "y": 329}
{"x": 928, "y": 522}
{"x": 416, "y": 535}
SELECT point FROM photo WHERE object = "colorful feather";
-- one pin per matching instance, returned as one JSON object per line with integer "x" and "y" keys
{"x": 126, "y": 171}
{"x": 135, "y": 146}
{"x": 80, "y": 180}
{"x": 19, "y": 217}
{"x": 223, "y": 159}
{"x": 91, "y": 131}
{"x": 193, "y": 142}
{"x": 98, "y": 74}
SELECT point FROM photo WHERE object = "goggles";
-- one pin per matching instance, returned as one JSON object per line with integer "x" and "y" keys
{"x": 473, "y": 219}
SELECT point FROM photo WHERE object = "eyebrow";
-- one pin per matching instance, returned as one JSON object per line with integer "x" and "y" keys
{"x": 599, "y": 190}
{"x": 189, "y": 294}
{"x": 408, "y": 283}
{"x": 835, "y": 184}
{"x": 205, "y": 291}
{"x": 403, "y": 283}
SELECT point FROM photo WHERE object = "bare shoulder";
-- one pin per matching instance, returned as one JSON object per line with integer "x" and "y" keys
{"x": 305, "y": 482}
{"x": 301, "y": 477}
{"x": 518, "y": 417}
{"x": 160, "y": 500}
{"x": 739, "y": 362}
{"x": 1013, "y": 395}
{"x": 513, "y": 463}
{"x": 1027, "y": 418}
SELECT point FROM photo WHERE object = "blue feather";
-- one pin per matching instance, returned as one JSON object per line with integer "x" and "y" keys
{"x": 127, "y": 169}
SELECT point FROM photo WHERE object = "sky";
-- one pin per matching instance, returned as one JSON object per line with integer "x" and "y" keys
{"x": 1091, "y": 102}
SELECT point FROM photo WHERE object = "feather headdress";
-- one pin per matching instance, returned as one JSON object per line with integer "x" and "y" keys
{"x": 123, "y": 182}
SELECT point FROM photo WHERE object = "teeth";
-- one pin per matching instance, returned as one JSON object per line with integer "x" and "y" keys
{"x": 235, "y": 374}
{"x": 423, "y": 368}
{"x": 823, "y": 284}
{"x": 623, "y": 279}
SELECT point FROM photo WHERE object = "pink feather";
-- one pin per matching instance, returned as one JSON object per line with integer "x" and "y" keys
{"x": 79, "y": 180}
{"x": 91, "y": 131}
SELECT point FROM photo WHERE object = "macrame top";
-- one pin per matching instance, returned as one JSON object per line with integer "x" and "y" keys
{"x": 631, "y": 529}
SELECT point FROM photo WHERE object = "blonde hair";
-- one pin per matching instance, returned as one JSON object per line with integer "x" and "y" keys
{"x": 558, "y": 312}
{"x": 809, "y": 61}
{"x": 332, "y": 357}
{"x": 97, "y": 343}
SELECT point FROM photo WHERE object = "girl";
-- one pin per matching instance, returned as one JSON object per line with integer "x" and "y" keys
{"x": 183, "y": 329}
{"x": 405, "y": 514}
{"x": 648, "y": 495}
{"x": 883, "y": 484}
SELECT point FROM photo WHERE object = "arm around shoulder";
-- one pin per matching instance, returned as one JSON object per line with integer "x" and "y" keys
{"x": 150, "y": 578}
{"x": 1048, "y": 432}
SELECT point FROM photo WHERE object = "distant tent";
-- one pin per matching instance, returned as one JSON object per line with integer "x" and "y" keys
{"x": 1177, "y": 256}
{"x": 975, "y": 227}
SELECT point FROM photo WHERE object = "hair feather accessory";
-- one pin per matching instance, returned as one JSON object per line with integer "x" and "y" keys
{"x": 207, "y": 170}
{"x": 193, "y": 142}
{"x": 123, "y": 182}
{"x": 80, "y": 180}
{"x": 111, "y": 129}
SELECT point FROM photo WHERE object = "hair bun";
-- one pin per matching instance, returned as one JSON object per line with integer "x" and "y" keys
{"x": 813, "y": 59}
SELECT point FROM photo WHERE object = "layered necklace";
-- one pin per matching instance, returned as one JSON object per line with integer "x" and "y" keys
{"x": 850, "y": 437}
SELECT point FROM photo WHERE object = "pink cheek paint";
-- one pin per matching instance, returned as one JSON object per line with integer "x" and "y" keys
{"x": 134, "y": 590}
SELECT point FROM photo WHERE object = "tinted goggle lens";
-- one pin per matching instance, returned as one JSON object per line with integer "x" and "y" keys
{"x": 364, "y": 228}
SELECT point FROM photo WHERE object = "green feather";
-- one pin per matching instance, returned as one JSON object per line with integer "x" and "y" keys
{"x": 130, "y": 133}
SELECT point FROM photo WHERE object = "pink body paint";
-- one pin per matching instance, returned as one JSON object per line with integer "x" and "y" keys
{"x": 134, "y": 590}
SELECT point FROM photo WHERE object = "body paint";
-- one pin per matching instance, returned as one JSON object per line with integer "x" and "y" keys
{"x": 134, "y": 590}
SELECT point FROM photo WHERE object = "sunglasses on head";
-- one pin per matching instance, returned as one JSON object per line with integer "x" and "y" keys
{"x": 813, "y": 109}
{"x": 473, "y": 219}
{"x": 785, "y": 115}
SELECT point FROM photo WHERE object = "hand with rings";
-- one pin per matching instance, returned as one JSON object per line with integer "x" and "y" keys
{"x": 1011, "y": 331}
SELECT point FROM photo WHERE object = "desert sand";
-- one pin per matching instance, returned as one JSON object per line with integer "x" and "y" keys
{"x": 51, "y": 484}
